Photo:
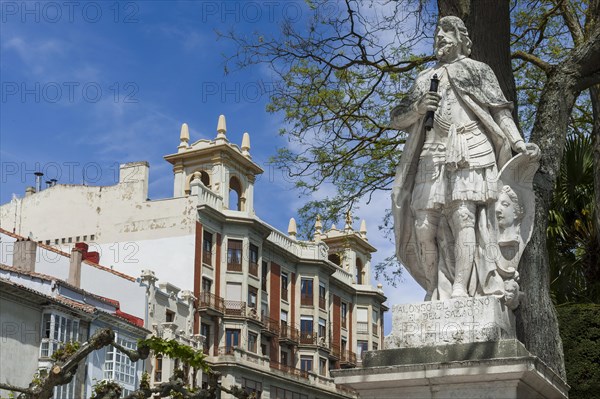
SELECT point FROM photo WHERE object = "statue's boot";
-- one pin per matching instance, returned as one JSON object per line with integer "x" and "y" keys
{"x": 463, "y": 219}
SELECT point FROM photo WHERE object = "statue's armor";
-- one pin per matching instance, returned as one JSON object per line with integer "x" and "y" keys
{"x": 456, "y": 134}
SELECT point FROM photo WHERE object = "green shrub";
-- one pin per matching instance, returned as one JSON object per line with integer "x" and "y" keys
{"x": 580, "y": 333}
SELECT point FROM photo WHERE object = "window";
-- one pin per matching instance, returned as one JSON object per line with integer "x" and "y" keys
{"x": 252, "y": 341}
{"x": 344, "y": 344}
{"x": 284, "y": 319}
{"x": 158, "y": 368}
{"x": 306, "y": 325}
{"x": 306, "y": 363}
{"x": 235, "y": 194}
{"x": 66, "y": 391}
{"x": 281, "y": 393}
{"x": 206, "y": 284}
{"x": 232, "y": 339}
{"x": 252, "y": 296}
{"x": 375, "y": 346}
{"x": 233, "y": 299}
{"x": 375, "y": 322}
{"x": 322, "y": 328}
{"x": 57, "y": 329}
{"x": 361, "y": 348}
{"x": 252, "y": 387}
{"x": 335, "y": 258}
{"x": 306, "y": 291}
{"x": 283, "y": 357}
{"x": 322, "y": 366}
{"x": 169, "y": 316}
{"x": 344, "y": 314}
{"x": 207, "y": 241}
{"x": 359, "y": 272}
{"x": 263, "y": 279}
{"x": 253, "y": 264}
{"x": 362, "y": 320}
{"x": 117, "y": 366}
{"x": 284, "y": 285}
{"x": 234, "y": 255}
{"x": 322, "y": 296}
{"x": 205, "y": 330}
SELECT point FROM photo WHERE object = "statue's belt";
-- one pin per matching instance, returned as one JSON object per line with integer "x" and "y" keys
{"x": 457, "y": 149}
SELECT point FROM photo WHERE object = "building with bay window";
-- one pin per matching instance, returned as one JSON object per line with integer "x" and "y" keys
{"x": 277, "y": 313}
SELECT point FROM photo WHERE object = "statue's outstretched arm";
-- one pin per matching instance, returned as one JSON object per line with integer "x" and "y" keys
{"x": 504, "y": 119}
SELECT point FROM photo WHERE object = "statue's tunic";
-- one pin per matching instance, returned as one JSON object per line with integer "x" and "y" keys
{"x": 457, "y": 159}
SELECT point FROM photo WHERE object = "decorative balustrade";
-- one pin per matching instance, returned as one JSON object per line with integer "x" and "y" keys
{"x": 235, "y": 308}
{"x": 211, "y": 301}
{"x": 207, "y": 197}
{"x": 308, "y": 338}
{"x": 343, "y": 276}
{"x": 226, "y": 350}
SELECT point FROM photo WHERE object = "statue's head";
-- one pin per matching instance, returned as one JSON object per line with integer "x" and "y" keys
{"x": 509, "y": 211}
{"x": 451, "y": 39}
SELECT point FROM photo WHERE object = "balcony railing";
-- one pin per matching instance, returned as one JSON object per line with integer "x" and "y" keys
{"x": 284, "y": 294}
{"x": 289, "y": 333}
{"x": 288, "y": 369}
{"x": 226, "y": 350}
{"x": 335, "y": 351}
{"x": 211, "y": 301}
{"x": 306, "y": 299}
{"x": 253, "y": 269}
{"x": 322, "y": 303}
{"x": 235, "y": 308}
{"x": 362, "y": 327}
{"x": 308, "y": 338}
{"x": 348, "y": 357}
{"x": 270, "y": 324}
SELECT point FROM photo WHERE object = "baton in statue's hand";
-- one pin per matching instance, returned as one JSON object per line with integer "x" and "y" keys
{"x": 429, "y": 115}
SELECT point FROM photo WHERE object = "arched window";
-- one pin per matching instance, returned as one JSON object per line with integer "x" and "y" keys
{"x": 359, "y": 272}
{"x": 335, "y": 258}
{"x": 205, "y": 178}
{"x": 235, "y": 194}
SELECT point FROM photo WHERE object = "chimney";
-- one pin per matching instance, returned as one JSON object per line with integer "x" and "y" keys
{"x": 29, "y": 191}
{"x": 48, "y": 184}
{"x": 75, "y": 267}
{"x": 38, "y": 181}
{"x": 53, "y": 182}
{"x": 24, "y": 256}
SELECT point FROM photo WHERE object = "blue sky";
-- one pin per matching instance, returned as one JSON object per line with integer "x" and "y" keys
{"x": 89, "y": 85}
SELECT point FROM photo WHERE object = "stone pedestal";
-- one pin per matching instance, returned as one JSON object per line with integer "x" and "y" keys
{"x": 453, "y": 321}
{"x": 457, "y": 348}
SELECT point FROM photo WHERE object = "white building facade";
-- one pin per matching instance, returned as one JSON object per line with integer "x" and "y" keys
{"x": 277, "y": 313}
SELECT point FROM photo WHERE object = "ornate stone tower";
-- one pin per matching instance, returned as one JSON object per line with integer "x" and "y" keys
{"x": 217, "y": 170}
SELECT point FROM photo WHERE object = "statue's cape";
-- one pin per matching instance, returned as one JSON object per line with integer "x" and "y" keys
{"x": 478, "y": 88}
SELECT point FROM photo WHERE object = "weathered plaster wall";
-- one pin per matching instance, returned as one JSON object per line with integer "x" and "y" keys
{"x": 20, "y": 324}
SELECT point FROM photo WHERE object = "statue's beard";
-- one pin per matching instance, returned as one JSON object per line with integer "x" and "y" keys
{"x": 446, "y": 51}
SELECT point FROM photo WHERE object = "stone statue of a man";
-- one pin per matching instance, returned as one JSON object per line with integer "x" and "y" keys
{"x": 446, "y": 185}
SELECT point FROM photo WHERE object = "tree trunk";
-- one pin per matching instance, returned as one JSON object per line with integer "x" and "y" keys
{"x": 488, "y": 22}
